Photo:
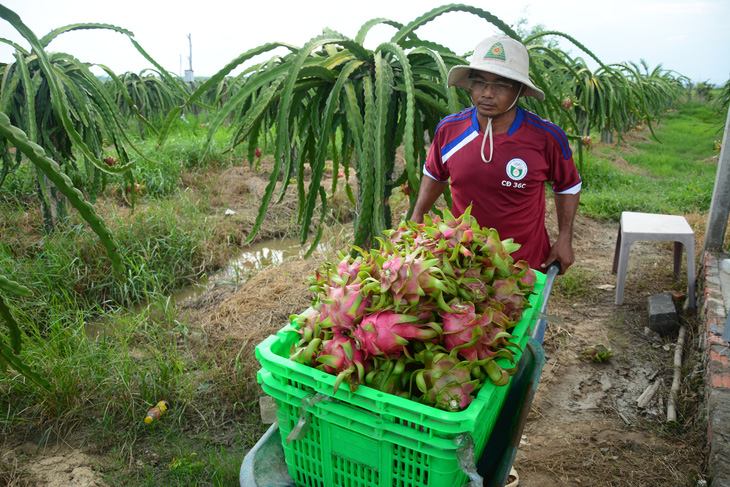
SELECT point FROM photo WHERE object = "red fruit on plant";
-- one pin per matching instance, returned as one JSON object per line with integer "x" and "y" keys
{"x": 567, "y": 103}
{"x": 257, "y": 152}
{"x": 110, "y": 161}
{"x": 585, "y": 140}
{"x": 341, "y": 174}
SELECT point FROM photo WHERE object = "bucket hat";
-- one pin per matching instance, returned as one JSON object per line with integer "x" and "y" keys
{"x": 500, "y": 55}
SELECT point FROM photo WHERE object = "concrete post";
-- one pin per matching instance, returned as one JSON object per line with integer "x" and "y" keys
{"x": 720, "y": 206}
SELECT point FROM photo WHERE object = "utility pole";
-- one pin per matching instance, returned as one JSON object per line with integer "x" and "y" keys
{"x": 720, "y": 206}
{"x": 189, "y": 74}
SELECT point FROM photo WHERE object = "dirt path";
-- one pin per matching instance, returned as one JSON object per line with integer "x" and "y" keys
{"x": 585, "y": 427}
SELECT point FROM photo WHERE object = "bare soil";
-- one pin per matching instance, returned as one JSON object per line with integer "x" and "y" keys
{"x": 584, "y": 427}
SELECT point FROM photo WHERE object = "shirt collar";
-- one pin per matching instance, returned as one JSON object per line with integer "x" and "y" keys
{"x": 517, "y": 122}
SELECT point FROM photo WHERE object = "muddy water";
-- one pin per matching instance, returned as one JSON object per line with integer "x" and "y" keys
{"x": 238, "y": 271}
{"x": 256, "y": 257}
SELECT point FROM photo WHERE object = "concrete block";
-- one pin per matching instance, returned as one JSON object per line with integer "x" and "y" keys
{"x": 663, "y": 317}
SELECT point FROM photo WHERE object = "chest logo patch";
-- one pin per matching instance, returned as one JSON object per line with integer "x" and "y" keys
{"x": 516, "y": 169}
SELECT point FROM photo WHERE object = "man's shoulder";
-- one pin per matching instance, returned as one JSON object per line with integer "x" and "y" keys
{"x": 541, "y": 127}
{"x": 539, "y": 123}
{"x": 458, "y": 119}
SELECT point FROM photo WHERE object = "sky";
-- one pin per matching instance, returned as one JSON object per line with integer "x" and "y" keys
{"x": 691, "y": 38}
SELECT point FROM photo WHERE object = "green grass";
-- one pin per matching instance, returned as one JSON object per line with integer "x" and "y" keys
{"x": 160, "y": 170}
{"x": 106, "y": 384}
{"x": 576, "y": 284}
{"x": 669, "y": 176}
{"x": 68, "y": 270}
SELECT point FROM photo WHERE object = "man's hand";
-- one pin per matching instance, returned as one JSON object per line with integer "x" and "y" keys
{"x": 566, "y": 206}
{"x": 427, "y": 196}
{"x": 562, "y": 251}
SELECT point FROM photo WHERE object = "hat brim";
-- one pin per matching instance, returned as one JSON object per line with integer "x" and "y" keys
{"x": 459, "y": 75}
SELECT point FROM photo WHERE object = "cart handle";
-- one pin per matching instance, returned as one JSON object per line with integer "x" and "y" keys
{"x": 538, "y": 332}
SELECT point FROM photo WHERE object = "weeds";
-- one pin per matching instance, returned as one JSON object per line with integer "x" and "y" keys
{"x": 576, "y": 284}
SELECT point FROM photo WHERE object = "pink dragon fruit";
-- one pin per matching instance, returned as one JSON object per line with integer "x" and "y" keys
{"x": 348, "y": 268}
{"x": 390, "y": 272}
{"x": 343, "y": 306}
{"x": 340, "y": 356}
{"x": 473, "y": 288}
{"x": 496, "y": 253}
{"x": 403, "y": 237}
{"x": 386, "y": 332}
{"x": 508, "y": 292}
{"x": 307, "y": 324}
{"x": 418, "y": 278}
{"x": 459, "y": 324}
{"x": 310, "y": 330}
{"x": 525, "y": 275}
{"x": 446, "y": 383}
{"x": 491, "y": 339}
{"x": 472, "y": 336}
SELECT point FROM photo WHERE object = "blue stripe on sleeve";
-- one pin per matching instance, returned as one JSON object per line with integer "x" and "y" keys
{"x": 455, "y": 117}
{"x": 554, "y": 130}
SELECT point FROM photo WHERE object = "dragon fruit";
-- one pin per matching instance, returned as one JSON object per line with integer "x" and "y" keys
{"x": 309, "y": 328}
{"x": 386, "y": 332}
{"x": 475, "y": 337}
{"x": 508, "y": 292}
{"x": 459, "y": 324}
{"x": 526, "y": 277}
{"x": 348, "y": 268}
{"x": 446, "y": 382}
{"x": 427, "y": 315}
{"x": 343, "y": 306}
{"x": 341, "y": 357}
{"x": 307, "y": 325}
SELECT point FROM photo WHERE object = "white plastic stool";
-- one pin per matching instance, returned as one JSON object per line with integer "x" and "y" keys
{"x": 636, "y": 227}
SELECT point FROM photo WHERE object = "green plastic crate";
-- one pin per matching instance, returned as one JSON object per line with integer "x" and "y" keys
{"x": 370, "y": 438}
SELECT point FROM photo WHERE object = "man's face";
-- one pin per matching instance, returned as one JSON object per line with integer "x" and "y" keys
{"x": 491, "y": 94}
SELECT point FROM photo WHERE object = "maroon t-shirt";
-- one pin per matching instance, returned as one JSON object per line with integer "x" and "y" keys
{"x": 508, "y": 193}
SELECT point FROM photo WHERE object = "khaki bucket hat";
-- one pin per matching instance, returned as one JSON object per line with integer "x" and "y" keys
{"x": 500, "y": 55}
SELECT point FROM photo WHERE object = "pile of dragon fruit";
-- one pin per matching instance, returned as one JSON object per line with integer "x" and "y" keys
{"x": 425, "y": 316}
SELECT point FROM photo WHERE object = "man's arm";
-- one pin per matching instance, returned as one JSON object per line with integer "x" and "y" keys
{"x": 566, "y": 206}
{"x": 427, "y": 196}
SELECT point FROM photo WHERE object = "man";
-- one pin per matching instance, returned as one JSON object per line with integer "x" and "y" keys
{"x": 497, "y": 157}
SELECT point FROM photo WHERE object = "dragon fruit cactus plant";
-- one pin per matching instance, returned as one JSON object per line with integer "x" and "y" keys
{"x": 427, "y": 315}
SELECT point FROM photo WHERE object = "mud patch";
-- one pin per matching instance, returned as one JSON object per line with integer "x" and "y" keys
{"x": 57, "y": 466}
